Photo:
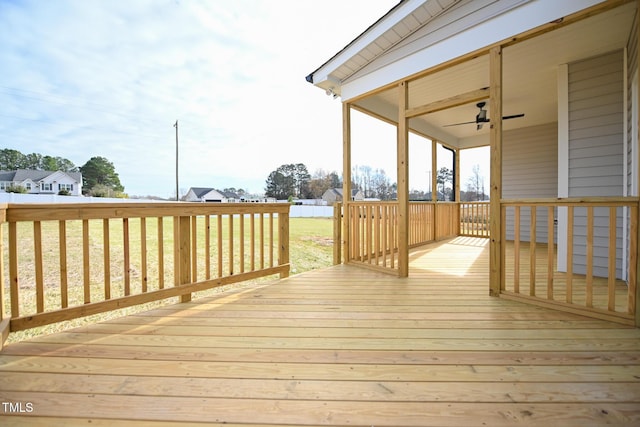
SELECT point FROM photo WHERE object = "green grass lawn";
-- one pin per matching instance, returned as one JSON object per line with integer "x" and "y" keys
{"x": 310, "y": 240}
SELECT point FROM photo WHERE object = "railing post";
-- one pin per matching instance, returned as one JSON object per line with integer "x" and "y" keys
{"x": 4, "y": 320}
{"x": 283, "y": 241}
{"x": 337, "y": 233}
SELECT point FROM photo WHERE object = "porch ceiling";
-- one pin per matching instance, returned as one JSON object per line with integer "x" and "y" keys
{"x": 529, "y": 85}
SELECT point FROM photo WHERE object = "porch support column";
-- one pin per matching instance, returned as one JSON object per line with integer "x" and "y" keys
{"x": 403, "y": 181}
{"x": 495, "y": 225}
{"x": 637, "y": 100}
{"x": 456, "y": 177}
{"x": 434, "y": 172}
{"x": 346, "y": 180}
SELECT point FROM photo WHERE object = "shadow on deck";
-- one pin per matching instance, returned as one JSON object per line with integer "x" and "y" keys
{"x": 338, "y": 346}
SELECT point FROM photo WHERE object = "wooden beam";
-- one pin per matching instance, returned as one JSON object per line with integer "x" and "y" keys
{"x": 443, "y": 104}
{"x": 346, "y": 180}
{"x": 403, "y": 181}
{"x": 495, "y": 106}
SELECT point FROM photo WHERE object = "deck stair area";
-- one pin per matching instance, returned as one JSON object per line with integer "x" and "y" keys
{"x": 338, "y": 346}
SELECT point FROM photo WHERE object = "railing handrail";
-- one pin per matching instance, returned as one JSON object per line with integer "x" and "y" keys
{"x": 44, "y": 212}
{"x": 574, "y": 201}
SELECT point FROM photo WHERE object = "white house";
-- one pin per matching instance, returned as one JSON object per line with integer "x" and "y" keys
{"x": 42, "y": 182}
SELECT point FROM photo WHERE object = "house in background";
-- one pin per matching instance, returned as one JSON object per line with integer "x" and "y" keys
{"x": 42, "y": 182}
{"x": 201, "y": 194}
{"x": 334, "y": 195}
{"x": 552, "y": 88}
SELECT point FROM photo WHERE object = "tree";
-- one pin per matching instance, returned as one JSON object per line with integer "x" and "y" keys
{"x": 372, "y": 182}
{"x": 445, "y": 176}
{"x": 290, "y": 180}
{"x": 279, "y": 186}
{"x": 100, "y": 171}
{"x": 475, "y": 184}
{"x": 11, "y": 159}
{"x": 58, "y": 164}
{"x": 14, "y": 160}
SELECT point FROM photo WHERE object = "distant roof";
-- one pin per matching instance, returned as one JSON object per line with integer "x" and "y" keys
{"x": 21, "y": 175}
{"x": 338, "y": 191}
{"x": 201, "y": 191}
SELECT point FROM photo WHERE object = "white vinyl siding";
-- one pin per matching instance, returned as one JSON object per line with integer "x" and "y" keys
{"x": 530, "y": 170}
{"x": 596, "y": 150}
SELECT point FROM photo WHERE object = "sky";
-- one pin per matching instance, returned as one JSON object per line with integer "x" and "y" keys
{"x": 86, "y": 78}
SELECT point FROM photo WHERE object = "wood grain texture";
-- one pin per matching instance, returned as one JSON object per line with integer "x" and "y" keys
{"x": 338, "y": 346}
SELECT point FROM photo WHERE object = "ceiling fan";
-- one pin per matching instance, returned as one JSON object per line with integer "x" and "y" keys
{"x": 481, "y": 117}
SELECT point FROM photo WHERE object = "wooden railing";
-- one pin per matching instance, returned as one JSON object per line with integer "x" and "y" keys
{"x": 373, "y": 230}
{"x": 578, "y": 255}
{"x": 70, "y": 261}
{"x": 474, "y": 219}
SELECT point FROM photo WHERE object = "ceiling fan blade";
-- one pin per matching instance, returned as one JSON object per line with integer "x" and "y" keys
{"x": 515, "y": 116}
{"x": 458, "y": 124}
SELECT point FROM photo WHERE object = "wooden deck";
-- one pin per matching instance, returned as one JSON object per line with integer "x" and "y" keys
{"x": 339, "y": 346}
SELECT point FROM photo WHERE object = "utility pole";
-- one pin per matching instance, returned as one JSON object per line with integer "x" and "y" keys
{"x": 177, "y": 188}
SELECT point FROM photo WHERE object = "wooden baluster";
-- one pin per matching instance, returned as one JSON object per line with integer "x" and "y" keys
{"x": 271, "y": 240}
{"x": 611, "y": 285}
{"x": 86, "y": 261}
{"x": 633, "y": 261}
{"x": 230, "y": 245}
{"x": 569, "y": 282}
{"x": 194, "y": 248}
{"x": 261, "y": 240}
{"x": 283, "y": 242}
{"x": 550, "y": 251}
{"x": 589, "y": 272}
{"x": 252, "y": 229}
{"x": 143, "y": 254}
{"x": 516, "y": 251}
{"x": 532, "y": 252}
{"x": 13, "y": 269}
{"x": 62, "y": 249}
{"x": 241, "y": 243}
{"x": 127, "y": 256}
{"x": 207, "y": 247}
{"x": 106, "y": 257}
{"x": 37, "y": 245}
{"x": 160, "y": 253}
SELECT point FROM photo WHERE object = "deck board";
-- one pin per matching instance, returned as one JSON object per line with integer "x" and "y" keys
{"x": 339, "y": 346}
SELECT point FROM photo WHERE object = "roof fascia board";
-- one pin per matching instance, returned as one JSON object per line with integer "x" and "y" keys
{"x": 516, "y": 21}
{"x": 370, "y": 35}
{"x": 464, "y": 15}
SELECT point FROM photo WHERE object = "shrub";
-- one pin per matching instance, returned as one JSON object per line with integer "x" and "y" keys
{"x": 13, "y": 188}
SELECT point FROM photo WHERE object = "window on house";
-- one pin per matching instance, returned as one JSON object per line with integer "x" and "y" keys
{"x": 28, "y": 186}
{"x": 46, "y": 186}
{"x": 4, "y": 185}
{"x": 68, "y": 187}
